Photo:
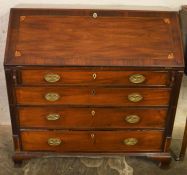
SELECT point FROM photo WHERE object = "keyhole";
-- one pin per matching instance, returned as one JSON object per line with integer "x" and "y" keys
{"x": 94, "y": 15}
{"x": 94, "y": 76}
{"x": 93, "y": 113}
{"x": 93, "y": 92}
{"x": 92, "y": 137}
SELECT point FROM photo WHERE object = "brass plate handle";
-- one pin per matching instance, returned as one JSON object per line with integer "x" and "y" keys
{"x": 52, "y": 96}
{"x": 54, "y": 141}
{"x": 130, "y": 141}
{"x": 53, "y": 117}
{"x": 135, "y": 97}
{"x": 51, "y": 77}
{"x": 132, "y": 119}
{"x": 137, "y": 78}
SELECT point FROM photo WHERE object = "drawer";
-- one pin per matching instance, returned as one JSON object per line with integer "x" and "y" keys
{"x": 96, "y": 141}
{"x": 91, "y": 118}
{"x": 60, "y": 76}
{"x": 93, "y": 96}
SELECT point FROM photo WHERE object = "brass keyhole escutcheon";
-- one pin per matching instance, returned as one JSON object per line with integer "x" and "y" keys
{"x": 130, "y": 141}
{"x": 93, "y": 92}
{"x": 132, "y": 119}
{"x": 93, "y": 113}
{"x": 54, "y": 141}
{"x": 95, "y": 15}
{"x": 137, "y": 78}
{"x": 92, "y": 135}
{"x": 52, "y": 96}
{"x": 135, "y": 97}
{"x": 51, "y": 77}
{"x": 53, "y": 117}
{"x": 94, "y": 76}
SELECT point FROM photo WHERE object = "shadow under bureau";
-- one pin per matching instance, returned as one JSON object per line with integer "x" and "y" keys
{"x": 93, "y": 82}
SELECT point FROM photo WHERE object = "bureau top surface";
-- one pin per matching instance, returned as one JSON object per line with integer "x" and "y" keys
{"x": 93, "y": 38}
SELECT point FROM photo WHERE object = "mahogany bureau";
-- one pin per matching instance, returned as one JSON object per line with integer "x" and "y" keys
{"x": 93, "y": 82}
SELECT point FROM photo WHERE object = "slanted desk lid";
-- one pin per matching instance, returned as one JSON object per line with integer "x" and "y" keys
{"x": 93, "y": 38}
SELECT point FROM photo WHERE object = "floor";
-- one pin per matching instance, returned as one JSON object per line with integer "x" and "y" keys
{"x": 75, "y": 166}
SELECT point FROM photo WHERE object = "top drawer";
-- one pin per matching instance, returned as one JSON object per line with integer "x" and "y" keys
{"x": 123, "y": 78}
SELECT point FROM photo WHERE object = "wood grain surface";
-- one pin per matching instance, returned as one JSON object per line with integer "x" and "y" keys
{"x": 82, "y": 141}
{"x": 82, "y": 77}
{"x": 91, "y": 118}
{"x": 39, "y": 37}
{"x": 92, "y": 96}
{"x": 94, "y": 52}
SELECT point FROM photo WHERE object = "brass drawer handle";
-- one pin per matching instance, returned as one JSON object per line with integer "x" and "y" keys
{"x": 132, "y": 119}
{"x": 135, "y": 97}
{"x": 54, "y": 141}
{"x": 51, "y": 77}
{"x": 137, "y": 78}
{"x": 130, "y": 141}
{"x": 52, "y": 96}
{"x": 53, "y": 117}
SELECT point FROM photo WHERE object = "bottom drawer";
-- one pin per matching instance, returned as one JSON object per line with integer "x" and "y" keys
{"x": 96, "y": 141}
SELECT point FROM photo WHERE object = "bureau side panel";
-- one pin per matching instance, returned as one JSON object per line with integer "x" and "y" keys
{"x": 177, "y": 79}
{"x": 10, "y": 81}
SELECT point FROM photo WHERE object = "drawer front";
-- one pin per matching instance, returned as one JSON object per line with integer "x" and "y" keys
{"x": 94, "y": 77}
{"x": 92, "y": 96}
{"x": 96, "y": 141}
{"x": 91, "y": 118}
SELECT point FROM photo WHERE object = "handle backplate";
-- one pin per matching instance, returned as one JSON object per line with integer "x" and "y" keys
{"x": 137, "y": 78}
{"x": 53, "y": 117}
{"x": 132, "y": 119}
{"x": 135, "y": 97}
{"x": 130, "y": 141}
{"x": 52, "y": 77}
{"x": 52, "y": 96}
{"x": 54, "y": 141}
